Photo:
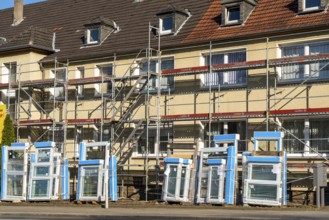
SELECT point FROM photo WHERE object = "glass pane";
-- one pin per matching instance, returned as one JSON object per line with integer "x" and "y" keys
{"x": 290, "y": 143}
{"x": 43, "y": 155}
{"x": 167, "y": 24}
{"x": 215, "y": 178}
{"x": 15, "y": 160}
{"x": 268, "y": 145}
{"x": 94, "y": 35}
{"x": 312, "y": 3}
{"x": 262, "y": 192}
{"x": 234, "y": 14}
{"x": 15, "y": 185}
{"x": 182, "y": 182}
{"x": 319, "y": 135}
{"x": 40, "y": 188}
{"x": 264, "y": 172}
{"x": 53, "y": 188}
{"x": 204, "y": 187}
{"x": 41, "y": 171}
{"x": 172, "y": 178}
{"x": 90, "y": 181}
{"x": 95, "y": 152}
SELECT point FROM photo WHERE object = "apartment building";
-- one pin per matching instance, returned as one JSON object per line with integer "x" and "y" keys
{"x": 158, "y": 78}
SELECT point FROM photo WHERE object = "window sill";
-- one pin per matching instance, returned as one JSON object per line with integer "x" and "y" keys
{"x": 225, "y": 86}
{"x": 152, "y": 156}
{"x": 155, "y": 91}
{"x": 297, "y": 81}
{"x": 309, "y": 11}
{"x": 231, "y": 23}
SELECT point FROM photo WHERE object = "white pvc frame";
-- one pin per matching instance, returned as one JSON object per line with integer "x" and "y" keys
{"x": 23, "y": 173}
{"x": 221, "y": 173}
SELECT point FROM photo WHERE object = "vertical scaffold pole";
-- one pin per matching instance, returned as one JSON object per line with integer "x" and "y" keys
{"x": 210, "y": 73}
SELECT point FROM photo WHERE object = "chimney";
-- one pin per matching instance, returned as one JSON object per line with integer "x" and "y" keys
{"x": 18, "y": 12}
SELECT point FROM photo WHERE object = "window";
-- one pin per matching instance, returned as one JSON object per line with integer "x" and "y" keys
{"x": 312, "y": 4}
{"x": 93, "y": 35}
{"x": 166, "y": 25}
{"x": 141, "y": 148}
{"x": 165, "y": 136}
{"x": 166, "y": 83}
{"x": 233, "y": 14}
{"x": 227, "y": 78}
{"x": 9, "y": 73}
{"x": 238, "y": 127}
{"x": 60, "y": 76}
{"x": 294, "y": 128}
{"x": 80, "y": 74}
{"x": 315, "y": 70}
{"x": 319, "y": 135}
{"x": 106, "y": 72}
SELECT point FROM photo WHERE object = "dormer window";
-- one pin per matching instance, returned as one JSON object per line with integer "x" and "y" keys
{"x": 93, "y": 36}
{"x": 98, "y": 29}
{"x": 172, "y": 19}
{"x": 166, "y": 25}
{"x": 235, "y": 12}
{"x": 311, "y": 6}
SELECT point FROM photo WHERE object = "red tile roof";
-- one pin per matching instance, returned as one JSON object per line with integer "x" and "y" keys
{"x": 269, "y": 16}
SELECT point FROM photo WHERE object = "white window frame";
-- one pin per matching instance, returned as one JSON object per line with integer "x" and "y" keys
{"x": 57, "y": 91}
{"x": 306, "y": 46}
{"x": 6, "y": 77}
{"x": 225, "y": 73}
{"x": 139, "y": 71}
{"x": 98, "y": 72}
{"x": 227, "y": 14}
{"x": 80, "y": 74}
{"x": 310, "y": 8}
{"x": 89, "y": 31}
{"x": 165, "y": 32}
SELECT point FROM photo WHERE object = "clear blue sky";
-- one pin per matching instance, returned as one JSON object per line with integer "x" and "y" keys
{"x": 10, "y": 3}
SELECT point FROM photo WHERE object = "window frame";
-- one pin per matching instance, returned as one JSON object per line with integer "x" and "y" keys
{"x": 98, "y": 72}
{"x": 306, "y": 9}
{"x": 89, "y": 34}
{"x": 226, "y": 61}
{"x": 161, "y": 26}
{"x": 57, "y": 91}
{"x": 307, "y": 73}
{"x": 157, "y": 68}
{"x": 80, "y": 74}
{"x": 227, "y": 14}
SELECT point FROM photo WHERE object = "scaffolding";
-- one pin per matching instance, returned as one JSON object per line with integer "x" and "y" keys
{"x": 122, "y": 96}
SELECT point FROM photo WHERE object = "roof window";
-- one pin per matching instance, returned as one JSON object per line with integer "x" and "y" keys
{"x": 172, "y": 19}
{"x": 93, "y": 35}
{"x": 235, "y": 12}
{"x": 310, "y": 6}
{"x": 98, "y": 29}
{"x": 166, "y": 25}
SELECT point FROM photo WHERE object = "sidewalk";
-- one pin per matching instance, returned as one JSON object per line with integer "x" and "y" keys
{"x": 163, "y": 212}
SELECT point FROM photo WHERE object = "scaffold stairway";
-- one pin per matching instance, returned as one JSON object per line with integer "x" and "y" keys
{"x": 123, "y": 152}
